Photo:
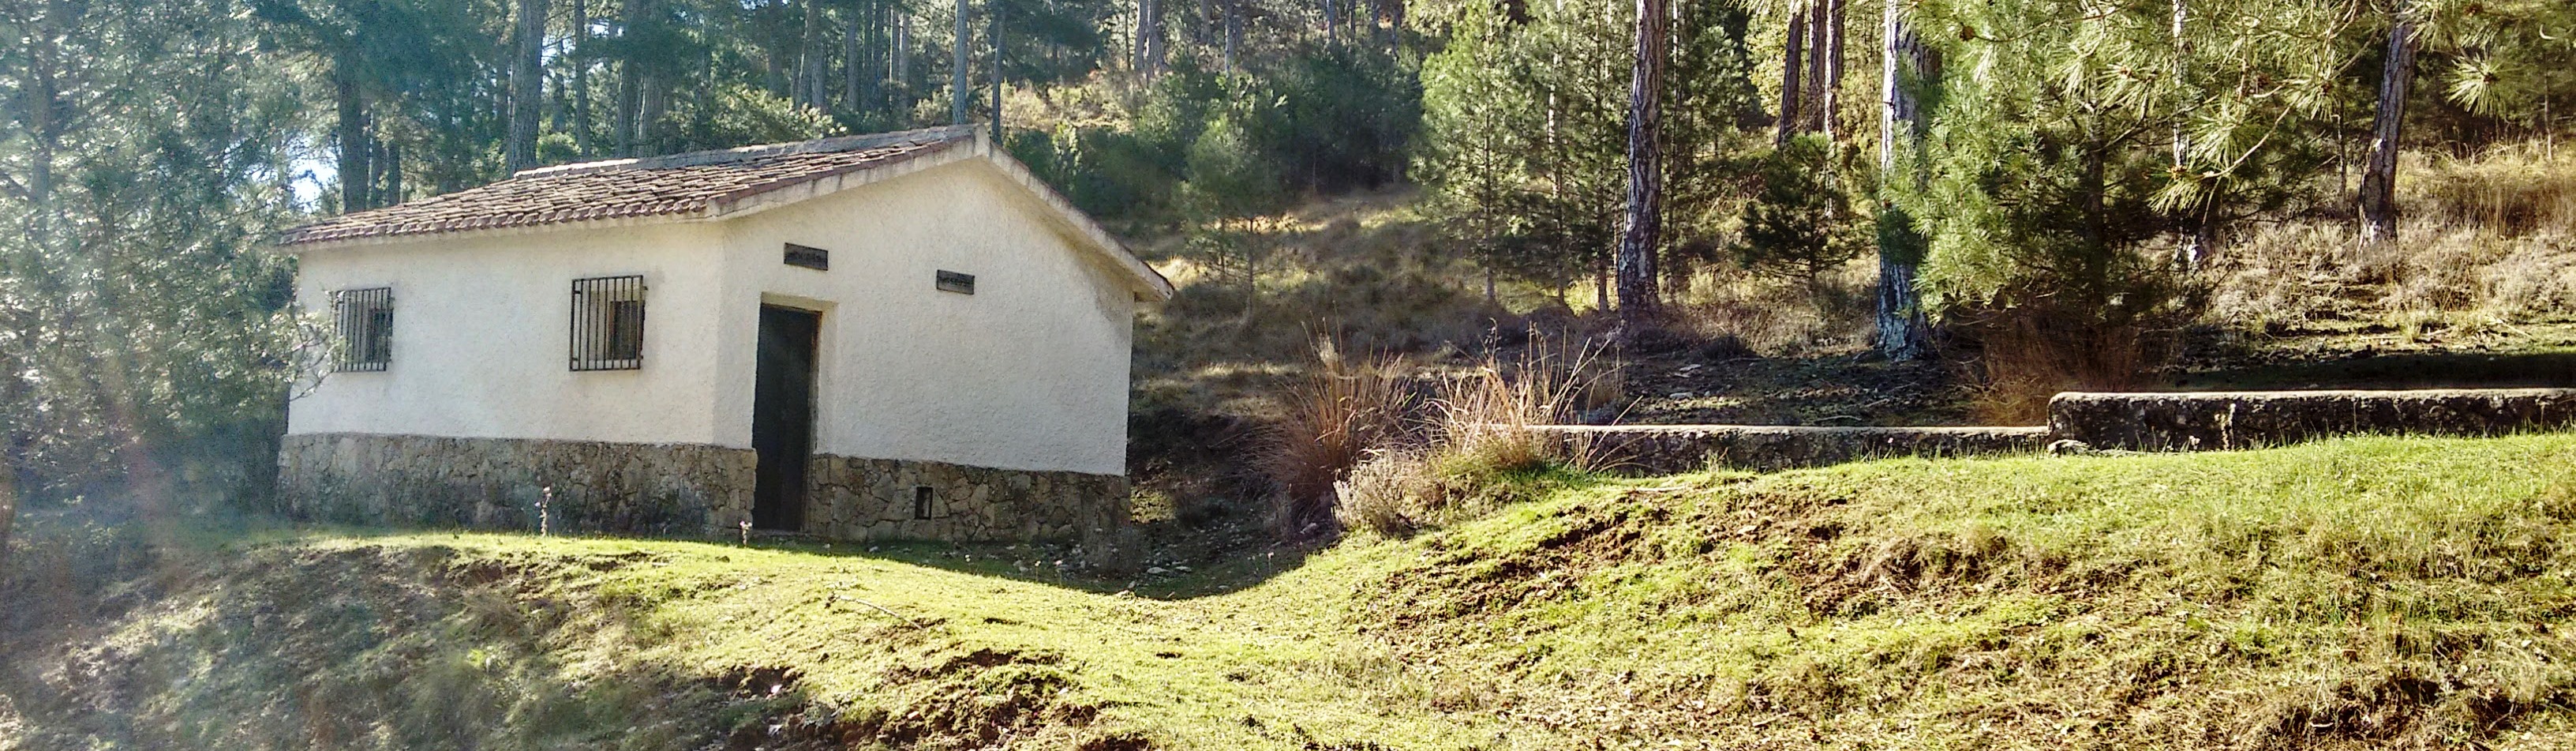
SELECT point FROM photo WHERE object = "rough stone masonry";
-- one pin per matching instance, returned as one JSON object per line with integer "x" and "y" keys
{"x": 677, "y": 490}
{"x": 2178, "y": 421}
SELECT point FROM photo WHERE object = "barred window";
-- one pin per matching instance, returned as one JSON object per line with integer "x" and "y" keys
{"x": 608, "y": 323}
{"x": 364, "y": 319}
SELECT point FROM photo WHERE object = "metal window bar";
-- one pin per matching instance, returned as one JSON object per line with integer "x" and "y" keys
{"x": 364, "y": 319}
{"x": 608, "y": 323}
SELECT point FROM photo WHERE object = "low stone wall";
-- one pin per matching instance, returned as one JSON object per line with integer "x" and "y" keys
{"x": 2227, "y": 420}
{"x": 682, "y": 490}
{"x": 1668, "y": 449}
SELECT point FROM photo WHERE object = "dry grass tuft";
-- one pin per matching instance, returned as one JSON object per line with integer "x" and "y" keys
{"x": 2513, "y": 189}
{"x": 1779, "y": 317}
{"x": 2028, "y": 353}
{"x": 1483, "y": 426}
{"x": 1332, "y": 421}
{"x": 2485, "y": 240}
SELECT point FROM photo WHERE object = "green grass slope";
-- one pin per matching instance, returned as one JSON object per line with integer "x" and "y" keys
{"x": 2357, "y": 593}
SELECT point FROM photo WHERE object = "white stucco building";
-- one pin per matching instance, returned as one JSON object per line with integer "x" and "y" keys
{"x": 895, "y": 335}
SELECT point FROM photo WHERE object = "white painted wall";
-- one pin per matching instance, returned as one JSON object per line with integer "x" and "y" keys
{"x": 1030, "y": 372}
{"x": 482, "y": 341}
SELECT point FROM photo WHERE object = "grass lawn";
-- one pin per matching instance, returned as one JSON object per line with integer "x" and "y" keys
{"x": 2355, "y": 593}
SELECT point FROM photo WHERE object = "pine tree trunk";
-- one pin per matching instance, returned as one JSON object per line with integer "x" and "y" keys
{"x": 388, "y": 164}
{"x": 853, "y": 60}
{"x": 651, "y": 103}
{"x": 356, "y": 144}
{"x": 2202, "y": 235}
{"x": 8, "y": 506}
{"x": 1332, "y": 23}
{"x": 582, "y": 137}
{"x": 1904, "y": 333}
{"x": 1638, "y": 298}
{"x": 1233, "y": 32}
{"x": 899, "y": 50}
{"x": 959, "y": 93}
{"x": 2379, "y": 176}
{"x": 1818, "y": 20}
{"x": 1792, "y": 64}
{"x": 996, "y": 43}
{"x": 630, "y": 82}
{"x": 1830, "y": 107}
{"x": 526, "y": 87}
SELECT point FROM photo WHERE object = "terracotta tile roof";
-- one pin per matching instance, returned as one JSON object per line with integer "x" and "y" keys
{"x": 697, "y": 182}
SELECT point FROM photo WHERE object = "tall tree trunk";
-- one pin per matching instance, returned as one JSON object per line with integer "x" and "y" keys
{"x": 526, "y": 87}
{"x": 854, "y": 61}
{"x": 1233, "y": 32}
{"x": 651, "y": 138}
{"x": 8, "y": 505}
{"x": 1904, "y": 333}
{"x": 2379, "y": 176}
{"x": 1394, "y": 26}
{"x": 1332, "y": 23}
{"x": 1792, "y": 63}
{"x": 1829, "y": 108}
{"x": 997, "y": 74}
{"x": 1814, "y": 115}
{"x": 630, "y": 81}
{"x": 959, "y": 93}
{"x": 899, "y": 49}
{"x": 2202, "y": 229}
{"x": 809, "y": 53}
{"x": 1638, "y": 241}
{"x": 583, "y": 139}
{"x": 356, "y": 143}
{"x": 389, "y": 174}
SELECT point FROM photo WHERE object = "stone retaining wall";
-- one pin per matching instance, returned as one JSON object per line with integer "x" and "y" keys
{"x": 1668, "y": 449}
{"x": 2126, "y": 421}
{"x": 2227, "y": 420}
{"x": 682, "y": 490}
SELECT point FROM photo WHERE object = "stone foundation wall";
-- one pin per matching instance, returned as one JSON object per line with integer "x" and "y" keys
{"x": 1669, "y": 449}
{"x": 875, "y": 499}
{"x": 2227, "y": 420}
{"x": 681, "y": 490}
{"x": 495, "y": 483}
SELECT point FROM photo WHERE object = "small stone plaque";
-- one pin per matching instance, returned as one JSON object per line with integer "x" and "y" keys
{"x": 809, "y": 257}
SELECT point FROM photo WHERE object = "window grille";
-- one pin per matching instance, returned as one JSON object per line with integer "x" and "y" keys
{"x": 365, "y": 322}
{"x": 608, "y": 323}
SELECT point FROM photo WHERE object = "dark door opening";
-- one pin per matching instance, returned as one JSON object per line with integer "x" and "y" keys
{"x": 782, "y": 416}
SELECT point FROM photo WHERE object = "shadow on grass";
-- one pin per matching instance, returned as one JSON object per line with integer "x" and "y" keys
{"x": 2395, "y": 371}
{"x": 1037, "y": 563}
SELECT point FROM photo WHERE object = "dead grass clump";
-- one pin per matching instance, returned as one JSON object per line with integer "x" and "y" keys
{"x": 2512, "y": 189}
{"x": 2487, "y": 237}
{"x": 2027, "y": 354}
{"x": 2533, "y": 282}
{"x": 1331, "y": 422}
{"x": 1483, "y": 428}
{"x": 1775, "y": 316}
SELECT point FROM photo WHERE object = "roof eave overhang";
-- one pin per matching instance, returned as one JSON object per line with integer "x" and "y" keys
{"x": 1144, "y": 281}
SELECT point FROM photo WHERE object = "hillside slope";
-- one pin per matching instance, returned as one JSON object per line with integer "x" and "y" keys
{"x": 2357, "y": 593}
